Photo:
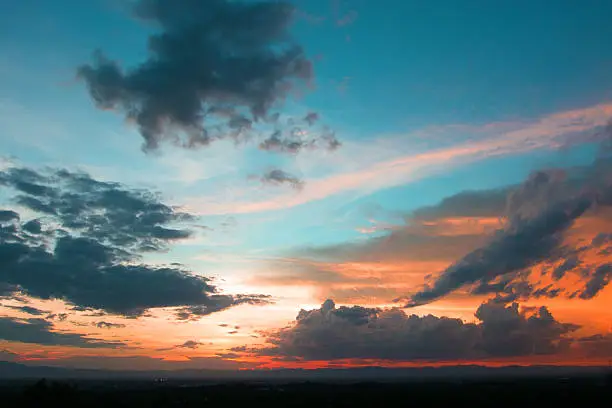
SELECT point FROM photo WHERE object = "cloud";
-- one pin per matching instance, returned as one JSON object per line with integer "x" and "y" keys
{"x": 298, "y": 139}
{"x": 59, "y": 316}
{"x": 599, "y": 279}
{"x": 388, "y": 264}
{"x": 502, "y": 242}
{"x": 218, "y": 303}
{"x": 108, "y": 325}
{"x": 277, "y": 177}
{"x": 40, "y": 331}
{"x": 7, "y": 215}
{"x": 191, "y": 344}
{"x": 104, "y": 211}
{"x": 332, "y": 333}
{"x": 28, "y": 309}
{"x": 538, "y": 215}
{"x": 597, "y": 345}
{"x": 399, "y": 167}
{"x": 215, "y": 69}
{"x": 88, "y": 252}
{"x": 311, "y": 118}
{"x": 474, "y": 203}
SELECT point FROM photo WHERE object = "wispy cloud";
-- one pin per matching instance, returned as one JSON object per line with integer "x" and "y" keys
{"x": 553, "y": 131}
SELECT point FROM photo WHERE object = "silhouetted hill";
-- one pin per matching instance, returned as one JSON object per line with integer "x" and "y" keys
{"x": 11, "y": 370}
{"x": 587, "y": 391}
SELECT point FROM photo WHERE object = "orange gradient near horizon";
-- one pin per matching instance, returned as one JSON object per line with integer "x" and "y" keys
{"x": 374, "y": 282}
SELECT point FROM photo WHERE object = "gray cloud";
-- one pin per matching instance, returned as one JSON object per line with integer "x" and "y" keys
{"x": 331, "y": 333}
{"x": 597, "y": 345}
{"x": 92, "y": 259}
{"x": 476, "y": 203}
{"x": 297, "y": 139}
{"x": 7, "y": 215}
{"x": 104, "y": 211}
{"x": 597, "y": 281}
{"x": 59, "y": 316}
{"x": 218, "y": 303}
{"x": 28, "y": 309}
{"x": 277, "y": 177}
{"x": 190, "y": 344}
{"x": 108, "y": 325}
{"x": 215, "y": 68}
{"x": 40, "y": 331}
{"x": 311, "y": 118}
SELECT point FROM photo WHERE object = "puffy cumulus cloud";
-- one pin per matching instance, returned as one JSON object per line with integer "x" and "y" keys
{"x": 277, "y": 177}
{"x": 40, "y": 331}
{"x": 215, "y": 69}
{"x": 332, "y": 333}
{"x": 88, "y": 250}
{"x": 538, "y": 215}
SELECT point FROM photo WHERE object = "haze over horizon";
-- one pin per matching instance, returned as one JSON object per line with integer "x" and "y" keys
{"x": 255, "y": 184}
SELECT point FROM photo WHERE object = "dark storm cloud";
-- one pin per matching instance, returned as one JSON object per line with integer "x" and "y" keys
{"x": 331, "y": 333}
{"x": 28, "y": 309}
{"x": 215, "y": 68}
{"x": 538, "y": 213}
{"x": 277, "y": 177}
{"x": 108, "y": 325}
{"x": 91, "y": 259}
{"x": 40, "y": 331}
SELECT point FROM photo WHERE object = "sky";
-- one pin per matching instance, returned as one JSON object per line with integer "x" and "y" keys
{"x": 252, "y": 184}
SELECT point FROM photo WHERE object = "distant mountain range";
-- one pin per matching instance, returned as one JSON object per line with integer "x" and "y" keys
{"x": 11, "y": 370}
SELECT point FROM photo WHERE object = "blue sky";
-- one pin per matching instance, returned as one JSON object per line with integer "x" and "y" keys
{"x": 429, "y": 99}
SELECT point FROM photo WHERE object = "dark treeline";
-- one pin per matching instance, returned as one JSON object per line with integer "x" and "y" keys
{"x": 586, "y": 391}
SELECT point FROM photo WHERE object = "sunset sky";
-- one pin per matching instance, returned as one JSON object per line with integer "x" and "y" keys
{"x": 307, "y": 183}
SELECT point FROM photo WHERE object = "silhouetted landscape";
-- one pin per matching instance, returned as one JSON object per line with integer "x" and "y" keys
{"x": 587, "y": 390}
{"x": 360, "y": 387}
